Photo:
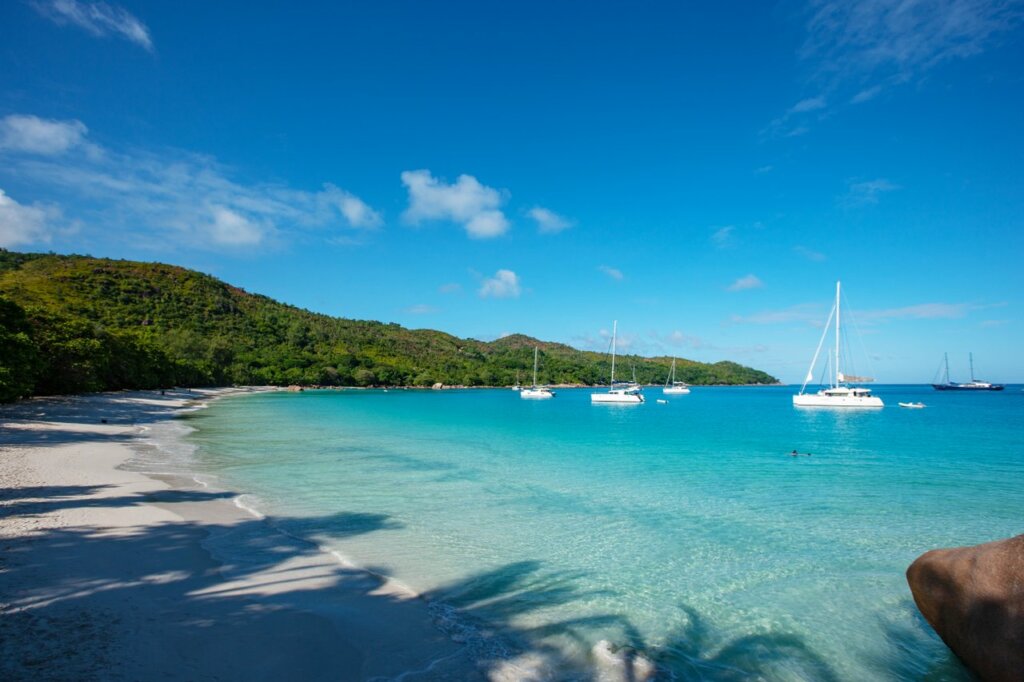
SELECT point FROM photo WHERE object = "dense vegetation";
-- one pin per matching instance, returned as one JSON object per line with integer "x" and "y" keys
{"x": 73, "y": 323}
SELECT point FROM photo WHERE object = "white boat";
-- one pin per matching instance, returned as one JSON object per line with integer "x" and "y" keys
{"x": 627, "y": 394}
{"x": 662, "y": 402}
{"x": 536, "y": 392}
{"x": 913, "y": 406}
{"x": 517, "y": 387}
{"x": 838, "y": 394}
{"x": 673, "y": 387}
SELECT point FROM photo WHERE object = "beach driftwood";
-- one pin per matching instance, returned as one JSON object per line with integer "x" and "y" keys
{"x": 974, "y": 598}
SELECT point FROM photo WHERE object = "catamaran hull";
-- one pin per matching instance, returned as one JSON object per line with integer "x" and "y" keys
{"x": 814, "y": 400}
{"x": 621, "y": 399}
{"x": 535, "y": 395}
{"x": 675, "y": 391}
{"x": 966, "y": 387}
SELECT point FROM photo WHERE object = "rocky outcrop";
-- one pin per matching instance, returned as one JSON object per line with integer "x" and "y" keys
{"x": 974, "y": 598}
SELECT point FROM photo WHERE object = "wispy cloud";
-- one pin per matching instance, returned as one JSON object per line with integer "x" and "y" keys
{"x": 504, "y": 284}
{"x": 450, "y": 288}
{"x": 20, "y": 224}
{"x": 466, "y": 201}
{"x": 809, "y": 254}
{"x": 421, "y": 309}
{"x": 724, "y": 237}
{"x": 808, "y": 104}
{"x": 25, "y": 133}
{"x": 614, "y": 273}
{"x": 748, "y": 282}
{"x": 994, "y": 323}
{"x": 898, "y": 40}
{"x": 856, "y": 50}
{"x": 807, "y": 313}
{"x": 98, "y": 18}
{"x": 924, "y": 311}
{"x": 868, "y": 192}
{"x": 167, "y": 198}
{"x": 761, "y": 170}
{"x": 549, "y": 222}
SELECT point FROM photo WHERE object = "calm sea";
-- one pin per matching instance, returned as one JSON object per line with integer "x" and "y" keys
{"x": 684, "y": 529}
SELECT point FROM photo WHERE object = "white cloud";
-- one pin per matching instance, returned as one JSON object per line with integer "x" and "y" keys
{"x": 98, "y": 18}
{"x": 809, "y": 254}
{"x": 764, "y": 169}
{"x": 421, "y": 309}
{"x": 723, "y": 237}
{"x": 174, "y": 198}
{"x": 231, "y": 229}
{"x": 864, "y": 193}
{"x": 548, "y": 222}
{"x": 450, "y": 288}
{"x": 504, "y": 284}
{"x": 356, "y": 211}
{"x": 21, "y": 224}
{"x": 614, "y": 273}
{"x": 747, "y": 282}
{"x": 23, "y": 133}
{"x": 466, "y": 201}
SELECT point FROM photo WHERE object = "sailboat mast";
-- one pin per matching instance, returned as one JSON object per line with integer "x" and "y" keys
{"x": 615, "y": 326}
{"x": 971, "y": 356}
{"x": 535, "y": 366}
{"x": 838, "y": 373}
{"x": 946, "y": 356}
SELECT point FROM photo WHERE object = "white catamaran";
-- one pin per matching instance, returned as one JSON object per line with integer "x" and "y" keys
{"x": 673, "y": 387}
{"x": 628, "y": 394}
{"x": 536, "y": 392}
{"x": 837, "y": 394}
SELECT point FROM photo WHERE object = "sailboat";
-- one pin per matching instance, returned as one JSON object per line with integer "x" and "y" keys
{"x": 628, "y": 394}
{"x": 536, "y": 392}
{"x": 837, "y": 394}
{"x": 517, "y": 387}
{"x": 972, "y": 385}
{"x": 673, "y": 387}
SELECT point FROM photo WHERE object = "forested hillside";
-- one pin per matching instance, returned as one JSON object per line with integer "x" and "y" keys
{"x": 74, "y": 323}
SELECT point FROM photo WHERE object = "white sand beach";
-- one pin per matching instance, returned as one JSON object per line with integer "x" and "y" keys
{"x": 107, "y": 573}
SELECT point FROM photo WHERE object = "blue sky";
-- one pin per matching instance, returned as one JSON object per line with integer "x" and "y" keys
{"x": 701, "y": 174}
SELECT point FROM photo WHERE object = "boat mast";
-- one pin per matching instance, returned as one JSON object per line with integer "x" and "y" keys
{"x": 535, "y": 366}
{"x": 838, "y": 373}
{"x": 971, "y": 356}
{"x": 615, "y": 326}
{"x": 946, "y": 356}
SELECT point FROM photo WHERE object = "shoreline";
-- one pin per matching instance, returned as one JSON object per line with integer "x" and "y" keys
{"x": 134, "y": 572}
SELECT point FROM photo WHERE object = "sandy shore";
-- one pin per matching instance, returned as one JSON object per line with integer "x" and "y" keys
{"x": 106, "y": 573}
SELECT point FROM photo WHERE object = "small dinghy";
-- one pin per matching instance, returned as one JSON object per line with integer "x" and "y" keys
{"x": 662, "y": 402}
{"x": 914, "y": 406}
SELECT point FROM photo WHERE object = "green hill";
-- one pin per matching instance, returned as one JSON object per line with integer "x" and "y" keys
{"x": 74, "y": 323}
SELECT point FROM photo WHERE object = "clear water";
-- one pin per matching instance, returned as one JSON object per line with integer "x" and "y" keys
{"x": 683, "y": 529}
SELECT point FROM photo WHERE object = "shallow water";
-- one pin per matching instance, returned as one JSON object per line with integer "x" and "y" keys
{"x": 685, "y": 529}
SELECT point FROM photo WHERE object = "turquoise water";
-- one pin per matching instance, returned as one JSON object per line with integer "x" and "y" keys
{"x": 684, "y": 529}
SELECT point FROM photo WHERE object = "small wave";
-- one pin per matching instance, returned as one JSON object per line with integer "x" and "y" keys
{"x": 244, "y": 506}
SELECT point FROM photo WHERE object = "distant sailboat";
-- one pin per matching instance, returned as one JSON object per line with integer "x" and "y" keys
{"x": 628, "y": 394}
{"x": 536, "y": 392}
{"x": 673, "y": 387}
{"x": 837, "y": 394}
{"x": 972, "y": 385}
{"x": 517, "y": 387}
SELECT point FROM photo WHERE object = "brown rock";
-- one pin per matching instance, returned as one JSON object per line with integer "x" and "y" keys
{"x": 974, "y": 598}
